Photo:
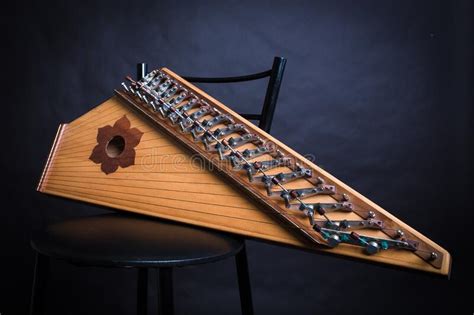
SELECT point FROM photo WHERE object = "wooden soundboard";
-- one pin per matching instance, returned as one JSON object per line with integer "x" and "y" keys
{"x": 161, "y": 175}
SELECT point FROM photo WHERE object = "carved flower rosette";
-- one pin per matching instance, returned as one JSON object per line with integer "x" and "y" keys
{"x": 116, "y": 146}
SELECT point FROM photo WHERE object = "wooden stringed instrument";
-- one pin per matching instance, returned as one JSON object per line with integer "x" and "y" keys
{"x": 163, "y": 147}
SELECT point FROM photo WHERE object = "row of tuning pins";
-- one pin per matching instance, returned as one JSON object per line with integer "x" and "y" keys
{"x": 343, "y": 231}
{"x": 216, "y": 141}
{"x": 334, "y": 231}
{"x": 162, "y": 87}
{"x": 159, "y": 91}
{"x": 175, "y": 103}
{"x": 165, "y": 95}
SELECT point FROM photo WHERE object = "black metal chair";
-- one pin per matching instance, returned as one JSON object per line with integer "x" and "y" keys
{"x": 128, "y": 240}
{"x": 275, "y": 74}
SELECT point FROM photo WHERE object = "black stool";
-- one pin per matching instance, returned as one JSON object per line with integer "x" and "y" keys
{"x": 127, "y": 240}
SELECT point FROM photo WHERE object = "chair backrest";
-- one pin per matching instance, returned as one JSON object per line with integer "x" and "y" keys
{"x": 275, "y": 74}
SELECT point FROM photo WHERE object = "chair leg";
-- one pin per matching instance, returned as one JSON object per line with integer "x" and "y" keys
{"x": 142, "y": 291}
{"x": 39, "y": 284}
{"x": 165, "y": 283}
{"x": 244, "y": 282}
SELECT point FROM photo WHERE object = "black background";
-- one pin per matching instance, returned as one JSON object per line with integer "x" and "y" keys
{"x": 379, "y": 91}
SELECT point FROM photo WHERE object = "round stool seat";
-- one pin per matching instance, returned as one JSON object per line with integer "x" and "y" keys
{"x": 133, "y": 241}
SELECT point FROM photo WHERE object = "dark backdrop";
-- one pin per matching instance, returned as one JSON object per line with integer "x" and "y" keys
{"x": 379, "y": 91}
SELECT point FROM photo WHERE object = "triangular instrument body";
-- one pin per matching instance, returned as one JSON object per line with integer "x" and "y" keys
{"x": 113, "y": 156}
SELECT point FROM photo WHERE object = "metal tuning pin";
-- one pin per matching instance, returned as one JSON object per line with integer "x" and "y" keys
{"x": 157, "y": 85}
{"x": 225, "y": 145}
{"x": 308, "y": 210}
{"x": 254, "y": 167}
{"x": 170, "y": 92}
{"x": 322, "y": 207}
{"x": 343, "y": 225}
{"x": 161, "y": 88}
{"x": 399, "y": 233}
{"x": 190, "y": 104}
{"x": 344, "y": 200}
{"x": 187, "y": 123}
{"x": 270, "y": 180}
{"x": 167, "y": 91}
{"x": 246, "y": 138}
{"x": 132, "y": 85}
{"x": 289, "y": 195}
{"x": 211, "y": 136}
{"x": 153, "y": 83}
{"x": 153, "y": 106}
{"x": 206, "y": 124}
{"x": 125, "y": 87}
{"x": 372, "y": 245}
{"x": 162, "y": 98}
{"x": 179, "y": 98}
{"x": 236, "y": 158}
{"x": 143, "y": 84}
{"x": 165, "y": 110}
{"x": 168, "y": 87}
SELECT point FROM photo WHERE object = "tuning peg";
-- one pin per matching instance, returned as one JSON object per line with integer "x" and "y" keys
{"x": 255, "y": 167}
{"x": 125, "y": 87}
{"x": 319, "y": 180}
{"x": 247, "y": 154}
{"x": 287, "y": 177}
{"x": 333, "y": 240}
{"x": 309, "y": 212}
{"x": 285, "y": 194}
{"x": 399, "y": 233}
{"x": 207, "y": 124}
{"x": 221, "y": 147}
{"x": 191, "y": 103}
{"x": 372, "y": 248}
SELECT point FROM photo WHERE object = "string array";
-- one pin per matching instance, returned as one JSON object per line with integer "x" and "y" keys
{"x": 167, "y": 99}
